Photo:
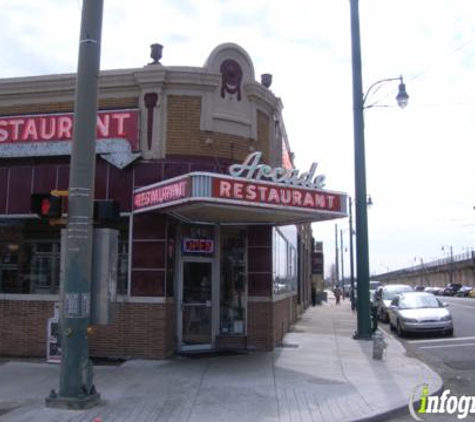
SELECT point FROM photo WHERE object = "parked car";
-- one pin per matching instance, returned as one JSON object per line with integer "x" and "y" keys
{"x": 451, "y": 289}
{"x": 472, "y": 293}
{"x": 434, "y": 290}
{"x": 385, "y": 294}
{"x": 419, "y": 288}
{"x": 464, "y": 291}
{"x": 419, "y": 312}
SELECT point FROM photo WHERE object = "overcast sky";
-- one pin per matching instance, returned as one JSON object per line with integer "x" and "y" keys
{"x": 419, "y": 161}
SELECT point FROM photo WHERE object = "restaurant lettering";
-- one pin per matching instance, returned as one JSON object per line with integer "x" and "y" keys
{"x": 161, "y": 194}
{"x": 272, "y": 195}
{"x": 59, "y": 127}
{"x": 251, "y": 169}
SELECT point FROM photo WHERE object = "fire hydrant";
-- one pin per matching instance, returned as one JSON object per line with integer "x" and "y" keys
{"x": 379, "y": 344}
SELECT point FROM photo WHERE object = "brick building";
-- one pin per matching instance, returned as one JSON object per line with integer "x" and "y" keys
{"x": 214, "y": 231}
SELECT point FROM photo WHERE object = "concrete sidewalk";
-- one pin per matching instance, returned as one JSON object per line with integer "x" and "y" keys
{"x": 319, "y": 374}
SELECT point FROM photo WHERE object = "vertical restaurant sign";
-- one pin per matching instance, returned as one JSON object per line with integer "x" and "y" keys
{"x": 51, "y": 135}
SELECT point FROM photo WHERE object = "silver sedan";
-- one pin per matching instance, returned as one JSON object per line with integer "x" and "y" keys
{"x": 419, "y": 312}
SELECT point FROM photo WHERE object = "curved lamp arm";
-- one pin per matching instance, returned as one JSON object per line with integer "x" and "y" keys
{"x": 402, "y": 97}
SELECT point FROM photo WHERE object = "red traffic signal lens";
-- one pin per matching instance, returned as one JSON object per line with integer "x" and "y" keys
{"x": 46, "y": 205}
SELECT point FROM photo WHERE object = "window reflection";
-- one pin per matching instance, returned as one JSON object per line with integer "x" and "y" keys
{"x": 233, "y": 281}
{"x": 285, "y": 260}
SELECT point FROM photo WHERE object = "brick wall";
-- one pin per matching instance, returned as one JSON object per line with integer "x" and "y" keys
{"x": 268, "y": 322}
{"x": 260, "y": 332}
{"x": 139, "y": 330}
{"x": 184, "y": 136}
{"x": 23, "y": 327}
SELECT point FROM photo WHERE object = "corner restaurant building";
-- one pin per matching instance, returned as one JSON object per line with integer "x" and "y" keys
{"x": 214, "y": 234}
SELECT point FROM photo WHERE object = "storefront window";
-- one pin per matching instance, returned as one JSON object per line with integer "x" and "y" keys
{"x": 285, "y": 260}
{"x": 30, "y": 254}
{"x": 233, "y": 281}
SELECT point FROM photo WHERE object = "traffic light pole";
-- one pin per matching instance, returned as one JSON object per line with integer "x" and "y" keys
{"x": 76, "y": 388}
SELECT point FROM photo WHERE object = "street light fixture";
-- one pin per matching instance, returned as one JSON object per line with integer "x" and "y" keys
{"x": 402, "y": 98}
{"x": 364, "y": 326}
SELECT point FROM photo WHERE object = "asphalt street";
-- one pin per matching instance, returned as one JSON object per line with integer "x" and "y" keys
{"x": 453, "y": 358}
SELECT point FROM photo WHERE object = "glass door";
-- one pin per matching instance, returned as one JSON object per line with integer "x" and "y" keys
{"x": 196, "y": 306}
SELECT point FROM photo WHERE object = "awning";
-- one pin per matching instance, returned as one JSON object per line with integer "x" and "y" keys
{"x": 216, "y": 198}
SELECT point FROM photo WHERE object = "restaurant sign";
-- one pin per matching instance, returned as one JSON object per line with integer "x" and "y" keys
{"x": 160, "y": 194}
{"x": 276, "y": 195}
{"x": 52, "y": 134}
{"x": 251, "y": 184}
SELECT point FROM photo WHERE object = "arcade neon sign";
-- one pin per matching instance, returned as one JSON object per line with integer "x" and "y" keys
{"x": 252, "y": 169}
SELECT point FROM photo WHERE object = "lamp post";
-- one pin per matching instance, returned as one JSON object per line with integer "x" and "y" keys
{"x": 364, "y": 330}
{"x": 342, "y": 263}
{"x": 352, "y": 273}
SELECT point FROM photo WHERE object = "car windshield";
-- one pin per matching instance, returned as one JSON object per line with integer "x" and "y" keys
{"x": 390, "y": 294}
{"x": 418, "y": 301}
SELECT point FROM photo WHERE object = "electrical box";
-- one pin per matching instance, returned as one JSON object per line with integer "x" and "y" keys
{"x": 104, "y": 275}
{"x": 105, "y": 256}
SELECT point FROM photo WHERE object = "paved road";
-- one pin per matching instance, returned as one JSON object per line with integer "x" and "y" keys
{"x": 452, "y": 357}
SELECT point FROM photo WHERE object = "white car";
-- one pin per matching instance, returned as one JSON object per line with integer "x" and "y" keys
{"x": 385, "y": 294}
{"x": 419, "y": 312}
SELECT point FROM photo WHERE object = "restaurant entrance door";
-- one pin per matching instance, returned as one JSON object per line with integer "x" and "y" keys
{"x": 196, "y": 305}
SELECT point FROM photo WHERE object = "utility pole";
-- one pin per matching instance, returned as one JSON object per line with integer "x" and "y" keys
{"x": 342, "y": 262}
{"x": 352, "y": 272}
{"x": 337, "y": 263}
{"x": 76, "y": 388}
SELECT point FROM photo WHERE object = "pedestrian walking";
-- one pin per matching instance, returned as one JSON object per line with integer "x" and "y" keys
{"x": 314, "y": 296}
{"x": 337, "y": 293}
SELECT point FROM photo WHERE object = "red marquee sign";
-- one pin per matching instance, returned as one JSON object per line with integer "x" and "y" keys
{"x": 117, "y": 124}
{"x": 272, "y": 194}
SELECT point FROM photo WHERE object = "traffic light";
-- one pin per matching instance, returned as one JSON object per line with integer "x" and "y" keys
{"x": 46, "y": 205}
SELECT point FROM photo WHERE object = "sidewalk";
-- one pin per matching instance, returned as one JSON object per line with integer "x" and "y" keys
{"x": 320, "y": 374}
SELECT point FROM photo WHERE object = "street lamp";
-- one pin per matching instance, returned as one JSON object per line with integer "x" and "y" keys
{"x": 364, "y": 329}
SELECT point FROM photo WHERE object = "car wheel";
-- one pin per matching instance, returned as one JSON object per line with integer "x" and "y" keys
{"x": 400, "y": 331}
